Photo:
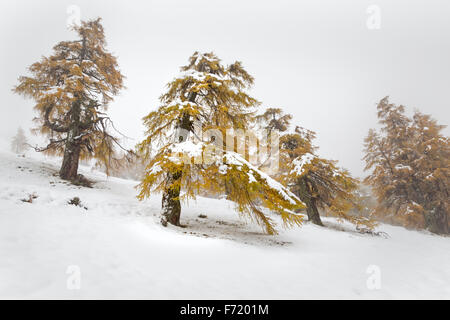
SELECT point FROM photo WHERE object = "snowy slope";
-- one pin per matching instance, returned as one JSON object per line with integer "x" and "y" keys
{"x": 123, "y": 252}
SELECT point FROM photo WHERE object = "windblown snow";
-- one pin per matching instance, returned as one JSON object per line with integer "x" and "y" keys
{"x": 114, "y": 247}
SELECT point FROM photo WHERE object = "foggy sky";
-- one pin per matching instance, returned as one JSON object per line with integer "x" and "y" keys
{"x": 316, "y": 59}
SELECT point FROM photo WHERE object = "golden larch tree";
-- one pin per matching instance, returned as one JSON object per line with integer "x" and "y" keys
{"x": 318, "y": 182}
{"x": 409, "y": 164}
{"x": 72, "y": 89}
{"x": 188, "y": 153}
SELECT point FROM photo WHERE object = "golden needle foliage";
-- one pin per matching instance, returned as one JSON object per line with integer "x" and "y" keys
{"x": 209, "y": 95}
{"x": 72, "y": 89}
{"x": 409, "y": 163}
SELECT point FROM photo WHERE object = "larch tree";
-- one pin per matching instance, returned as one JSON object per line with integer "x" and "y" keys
{"x": 72, "y": 89}
{"x": 409, "y": 160}
{"x": 188, "y": 149}
{"x": 19, "y": 142}
{"x": 318, "y": 182}
{"x": 272, "y": 123}
{"x": 274, "y": 119}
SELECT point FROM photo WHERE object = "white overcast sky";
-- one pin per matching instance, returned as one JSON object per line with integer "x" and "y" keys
{"x": 316, "y": 59}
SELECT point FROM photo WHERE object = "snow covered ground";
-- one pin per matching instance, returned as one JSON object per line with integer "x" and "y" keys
{"x": 117, "y": 248}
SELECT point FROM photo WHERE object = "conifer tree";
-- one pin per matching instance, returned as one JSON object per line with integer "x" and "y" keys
{"x": 210, "y": 98}
{"x": 271, "y": 124}
{"x": 19, "y": 142}
{"x": 72, "y": 89}
{"x": 274, "y": 119}
{"x": 318, "y": 182}
{"x": 409, "y": 160}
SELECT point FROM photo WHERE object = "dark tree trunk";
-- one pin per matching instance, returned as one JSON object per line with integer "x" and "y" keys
{"x": 69, "y": 167}
{"x": 313, "y": 212}
{"x": 171, "y": 205}
{"x": 437, "y": 221}
{"x": 310, "y": 202}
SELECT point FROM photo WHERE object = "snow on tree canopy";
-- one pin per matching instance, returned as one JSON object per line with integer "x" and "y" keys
{"x": 179, "y": 153}
{"x": 209, "y": 95}
{"x": 233, "y": 158}
{"x": 301, "y": 162}
{"x": 402, "y": 167}
{"x": 253, "y": 191}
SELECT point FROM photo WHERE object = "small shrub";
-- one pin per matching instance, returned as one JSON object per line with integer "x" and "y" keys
{"x": 30, "y": 198}
{"x": 75, "y": 201}
{"x": 363, "y": 230}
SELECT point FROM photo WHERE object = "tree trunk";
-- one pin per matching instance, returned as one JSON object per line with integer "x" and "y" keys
{"x": 69, "y": 167}
{"x": 171, "y": 206}
{"x": 311, "y": 206}
{"x": 313, "y": 212}
{"x": 437, "y": 221}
